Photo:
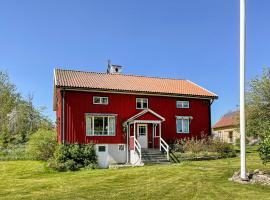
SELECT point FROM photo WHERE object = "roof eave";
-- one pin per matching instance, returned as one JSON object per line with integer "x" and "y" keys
{"x": 135, "y": 92}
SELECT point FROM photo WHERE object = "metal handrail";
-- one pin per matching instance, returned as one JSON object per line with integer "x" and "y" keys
{"x": 138, "y": 147}
{"x": 165, "y": 146}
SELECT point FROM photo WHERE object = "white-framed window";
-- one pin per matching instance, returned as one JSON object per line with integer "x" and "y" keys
{"x": 121, "y": 147}
{"x": 100, "y": 125}
{"x": 141, "y": 103}
{"x": 230, "y": 137}
{"x": 182, "y": 104}
{"x": 100, "y": 100}
{"x": 182, "y": 124}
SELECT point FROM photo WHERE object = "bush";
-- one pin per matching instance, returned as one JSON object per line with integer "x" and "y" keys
{"x": 13, "y": 153}
{"x": 224, "y": 149}
{"x": 73, "y": 157}
{"x": 194, "y": 146}
{"x": 41, "y": 145}
{"x": 264, "y": 150}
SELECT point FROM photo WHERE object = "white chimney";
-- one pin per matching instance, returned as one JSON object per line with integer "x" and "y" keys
{"x": 114, "y": 69}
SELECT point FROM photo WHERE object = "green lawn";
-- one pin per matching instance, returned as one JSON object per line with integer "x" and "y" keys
{"x": 189, "y": 180}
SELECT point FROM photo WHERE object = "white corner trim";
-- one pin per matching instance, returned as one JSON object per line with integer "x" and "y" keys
{"x": 54, "y": 76}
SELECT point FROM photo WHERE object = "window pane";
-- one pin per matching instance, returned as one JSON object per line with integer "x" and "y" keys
{"x": 102, "y": 148}
{"x": 178, "y": 104}
{"x": 121, "y": 147}
{"x": 96, "y": 100}
{"x": 186, "y": 125}
{"x": 111, "y": 125}
{"x": 144, "y": 103}
{"x": 98, "y": 125}
{"x": 138, "y": 103}
{"x": 88, "y": 125}
{"x": 142, "y": 130}
{"x": 179, "y": 125}
{"x": 106, "y": 126}
{"x": 185, "y": 104}
{"x": 104, "y": 100}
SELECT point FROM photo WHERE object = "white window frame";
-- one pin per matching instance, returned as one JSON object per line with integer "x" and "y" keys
{"x": 183, "y": 118}
{"x": 92, "y": 124}
{"x": 141, "y": 101}
{"x": 100, "y": 100}
{"x": 181, "y": 104}
{"x": 230, "y": 139}
{"x": 123, "y": 146}
{"x": 144, "y": 126}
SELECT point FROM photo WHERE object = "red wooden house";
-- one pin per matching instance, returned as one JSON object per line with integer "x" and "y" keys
{"x": 126, "y": 115}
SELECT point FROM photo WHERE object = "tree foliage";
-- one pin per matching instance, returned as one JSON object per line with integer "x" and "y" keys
{"x": 18, "y": 117}
{"x": 258, "y": 105}
{"x": 41, "y": 144}
{"x": 264, "y": 150}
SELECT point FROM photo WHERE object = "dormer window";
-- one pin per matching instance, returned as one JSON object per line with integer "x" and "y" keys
{"x": 141, "y": 103}
{"x": 100, "y": 100}
{"x": 182, "y": 104}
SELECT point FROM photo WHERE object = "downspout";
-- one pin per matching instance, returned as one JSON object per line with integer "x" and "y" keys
{"x": 127, "y": 149}
{"x": 63, "y": 116}
{"x": 210, "y": 121}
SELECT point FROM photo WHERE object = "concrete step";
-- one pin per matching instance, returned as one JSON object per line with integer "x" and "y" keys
{"x": 163, "y": 162}
{"x": 154, "y": 156}
{"x": 151, "y": 158}
{"x": 150, "y": 150}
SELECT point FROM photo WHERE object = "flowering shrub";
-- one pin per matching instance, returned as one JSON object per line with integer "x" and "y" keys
{"x": 204, "y": 144}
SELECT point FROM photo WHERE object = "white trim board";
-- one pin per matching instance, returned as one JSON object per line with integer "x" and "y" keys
{"x": 138, "y": 93}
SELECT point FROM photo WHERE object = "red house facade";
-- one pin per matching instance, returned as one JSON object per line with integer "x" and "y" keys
{"x": 126, "y": 114}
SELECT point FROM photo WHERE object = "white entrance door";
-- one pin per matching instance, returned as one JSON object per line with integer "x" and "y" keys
{"x": 142, "y": 135}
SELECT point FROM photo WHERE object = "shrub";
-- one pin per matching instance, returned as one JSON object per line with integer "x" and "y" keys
{"x": 264, "y": 150}
{"x": 205, "y": 144}
{"x": 73, "y": 157}
{"x": 13, "y": 153}
{"x": 223, "y": 148}
{"x": 41, "y": 145}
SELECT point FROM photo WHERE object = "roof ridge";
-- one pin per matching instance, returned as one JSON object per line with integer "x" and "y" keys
{"x": 121, "y": 74}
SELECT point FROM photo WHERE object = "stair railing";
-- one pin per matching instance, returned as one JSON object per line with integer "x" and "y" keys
{"x": 138, "y": 149}
{"x": 163, "y": 145}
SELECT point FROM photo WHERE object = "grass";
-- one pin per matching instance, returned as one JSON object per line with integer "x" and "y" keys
{"x": 188, "y": 180}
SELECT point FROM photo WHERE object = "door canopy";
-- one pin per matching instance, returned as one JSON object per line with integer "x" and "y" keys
{"x": 145, "y": 115}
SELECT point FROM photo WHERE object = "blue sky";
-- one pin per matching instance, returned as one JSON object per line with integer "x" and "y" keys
{"x": 187, "y": 39}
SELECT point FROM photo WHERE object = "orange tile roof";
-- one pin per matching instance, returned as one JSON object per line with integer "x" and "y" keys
{"x": 128, "y": 83}
{"x": 227, "y": 120}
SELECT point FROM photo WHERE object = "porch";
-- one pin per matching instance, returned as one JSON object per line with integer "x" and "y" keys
{"x": 144, "y": 132}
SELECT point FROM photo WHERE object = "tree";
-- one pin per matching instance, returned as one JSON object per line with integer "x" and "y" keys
{"x": 18, "y": 117}
{"x": 258, "y": 105}
{"x": 8, "y": 100}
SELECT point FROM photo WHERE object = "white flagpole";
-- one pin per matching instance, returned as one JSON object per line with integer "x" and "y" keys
{"x": 242, "y": 86}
